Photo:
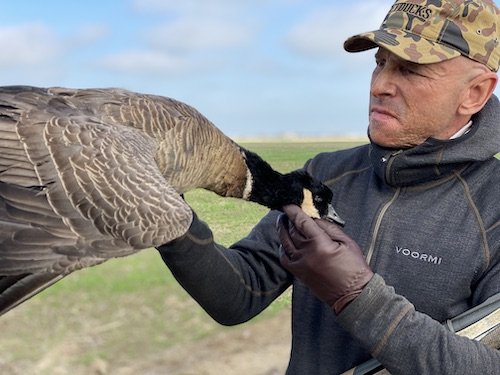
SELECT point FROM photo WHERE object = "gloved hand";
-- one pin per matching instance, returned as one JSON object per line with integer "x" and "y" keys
{"x": 323, "y": 257}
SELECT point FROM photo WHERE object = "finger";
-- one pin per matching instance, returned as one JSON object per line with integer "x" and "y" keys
{"x": 291, "y": 210}
{"x": 295, "y": 238}
{"x": 287, "y": 244}
{"x": 285, "y": 261}
{"x": 291, "y": 265}
{"x": 333, "y": 230}
{"x": 281, "y": 220}
{"x": 304, "y": 224}
{"x": 284, "y": 258}
{"x": 336, "y": 233}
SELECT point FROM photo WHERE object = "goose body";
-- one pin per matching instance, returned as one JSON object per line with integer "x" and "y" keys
{"x": 88, "y": 175}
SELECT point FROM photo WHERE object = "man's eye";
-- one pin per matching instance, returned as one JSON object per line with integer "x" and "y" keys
{"x": 407, "y": 70}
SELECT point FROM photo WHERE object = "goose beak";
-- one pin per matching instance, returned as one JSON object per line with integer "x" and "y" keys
{"x": 333, "y": 216}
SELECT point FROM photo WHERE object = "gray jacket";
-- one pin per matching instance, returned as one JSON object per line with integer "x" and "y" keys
{"x": 428, "y": 220}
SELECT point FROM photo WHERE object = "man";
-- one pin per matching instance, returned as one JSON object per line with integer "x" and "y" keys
{"x": 422, "y": 239}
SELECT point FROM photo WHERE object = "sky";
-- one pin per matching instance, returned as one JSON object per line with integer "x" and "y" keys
{"x": 255, "y": 68}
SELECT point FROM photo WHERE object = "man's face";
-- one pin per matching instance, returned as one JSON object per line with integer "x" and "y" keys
{"x": 410, "y": 102}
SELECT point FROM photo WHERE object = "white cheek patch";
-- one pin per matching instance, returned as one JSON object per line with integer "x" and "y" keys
{"x": 308, "y": 205}
{"x": 248, "y": 186}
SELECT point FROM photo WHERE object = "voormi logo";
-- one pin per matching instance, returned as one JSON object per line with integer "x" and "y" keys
{"x": 417, "y": 255}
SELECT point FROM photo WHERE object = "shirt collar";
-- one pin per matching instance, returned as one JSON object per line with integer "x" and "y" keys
{"x": 462, "y": 131}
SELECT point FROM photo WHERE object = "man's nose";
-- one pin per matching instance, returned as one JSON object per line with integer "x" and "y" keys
{"x": 383, "y": 82}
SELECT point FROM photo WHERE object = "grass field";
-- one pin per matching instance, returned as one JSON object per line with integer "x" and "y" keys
{"x": 101, "y": 319}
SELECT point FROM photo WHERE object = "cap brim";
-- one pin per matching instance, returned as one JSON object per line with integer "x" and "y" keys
{"x": 406, "y": 45}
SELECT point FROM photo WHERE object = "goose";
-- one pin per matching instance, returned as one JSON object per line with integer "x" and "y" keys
{"x": 92, "y": 174}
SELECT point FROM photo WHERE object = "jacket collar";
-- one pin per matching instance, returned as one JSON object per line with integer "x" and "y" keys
{"x": 436, "y": 159}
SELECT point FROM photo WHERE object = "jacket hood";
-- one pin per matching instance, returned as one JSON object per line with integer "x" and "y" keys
{"x": 435, "y": 159}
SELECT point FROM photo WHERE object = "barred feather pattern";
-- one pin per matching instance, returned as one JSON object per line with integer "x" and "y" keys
{"x": 87, "y": 175}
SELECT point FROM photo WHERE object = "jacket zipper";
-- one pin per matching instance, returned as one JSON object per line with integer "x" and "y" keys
{"x": 389, "y": 159}
{"x": 380, "y": 217}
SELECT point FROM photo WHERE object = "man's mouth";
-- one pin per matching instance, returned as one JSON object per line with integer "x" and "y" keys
{"x": 381, "y": 114}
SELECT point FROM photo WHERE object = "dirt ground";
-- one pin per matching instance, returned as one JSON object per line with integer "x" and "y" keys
{"x": 257, "y": 349}
{"x": 260, "y": 348}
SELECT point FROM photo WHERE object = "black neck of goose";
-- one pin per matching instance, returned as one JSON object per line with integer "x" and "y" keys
{"x": 269, "y": 188}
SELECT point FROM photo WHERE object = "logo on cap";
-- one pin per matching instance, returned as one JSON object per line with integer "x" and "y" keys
{"x": 430, "y": 31}
{"x": 419, "y": 11}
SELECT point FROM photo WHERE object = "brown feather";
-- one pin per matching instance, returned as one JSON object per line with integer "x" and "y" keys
{"x": 86, "y": 175}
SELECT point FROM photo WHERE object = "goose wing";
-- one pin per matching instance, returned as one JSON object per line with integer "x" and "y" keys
{"x": 74, "y": 191}
{"x": 192, "y": 151}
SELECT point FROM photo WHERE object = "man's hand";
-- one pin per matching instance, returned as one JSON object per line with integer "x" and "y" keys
{"x": 323, "y": 257}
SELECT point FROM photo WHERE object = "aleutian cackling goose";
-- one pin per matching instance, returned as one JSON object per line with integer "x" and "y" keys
{"x": 88, "y": 175}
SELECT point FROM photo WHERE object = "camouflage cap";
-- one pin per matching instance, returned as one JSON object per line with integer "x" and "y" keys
{"x": 430, "y": 31}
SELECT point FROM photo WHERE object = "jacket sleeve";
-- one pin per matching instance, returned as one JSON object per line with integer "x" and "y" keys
{"x": 232, "y": 285}
{"x": 408, "y": 342}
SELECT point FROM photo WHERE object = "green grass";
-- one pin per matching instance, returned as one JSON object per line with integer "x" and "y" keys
{"x": 130, "y": 306}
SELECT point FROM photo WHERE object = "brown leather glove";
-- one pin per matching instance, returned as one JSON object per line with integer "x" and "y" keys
{"x": 323, "y": 257}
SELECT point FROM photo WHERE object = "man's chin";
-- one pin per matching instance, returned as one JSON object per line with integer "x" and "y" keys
{"x": 383, "y": 140}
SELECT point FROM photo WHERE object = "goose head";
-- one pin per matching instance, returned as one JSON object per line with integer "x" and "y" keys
{"x": 274, "y": 190}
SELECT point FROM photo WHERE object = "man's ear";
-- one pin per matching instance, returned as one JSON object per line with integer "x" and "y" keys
{"x": 479, "y": 91}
